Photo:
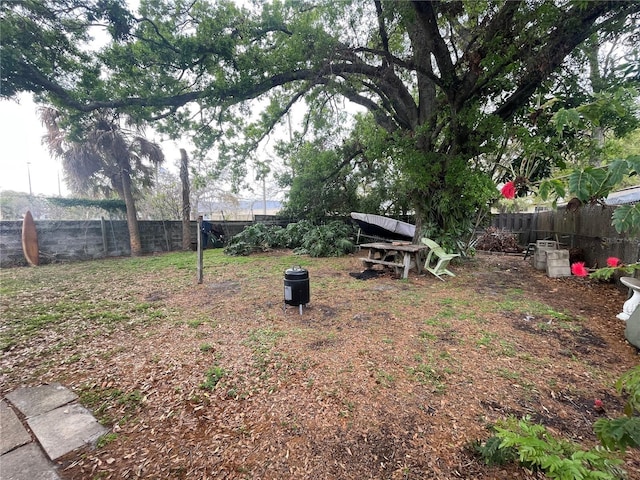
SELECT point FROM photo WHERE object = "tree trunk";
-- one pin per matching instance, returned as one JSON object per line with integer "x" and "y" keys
{"x": 132, "y": 215}
{"x": 417, "y": 236}
{"x": 186, "y": 208}
{"x": 595, "y": 78}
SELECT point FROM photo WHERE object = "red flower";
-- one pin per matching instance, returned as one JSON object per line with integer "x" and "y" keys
{"x": 509, "y": 190}
{"x": 579, "y": 269}
{"x": 598, "y": 405}
{"x": 613, "y": 262}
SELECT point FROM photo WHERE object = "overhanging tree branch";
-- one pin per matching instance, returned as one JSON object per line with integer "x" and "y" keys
{"x": 577, "y": 26}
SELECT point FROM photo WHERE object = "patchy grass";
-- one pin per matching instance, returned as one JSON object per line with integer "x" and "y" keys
{"x": 376, "y": 379}
{"x": 111, "y": 405}
{"x": 213, "y": 377}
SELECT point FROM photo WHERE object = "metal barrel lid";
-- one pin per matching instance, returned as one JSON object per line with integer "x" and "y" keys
{"x": 296, "y": 272}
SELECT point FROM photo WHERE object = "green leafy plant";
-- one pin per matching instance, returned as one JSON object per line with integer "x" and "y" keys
{"x": 593, "y": 184}
{"x": 535, "y": 447}
{"x": 294, "y": 233}
{"x": 623, "y": 432}
{"x": 258, "y": 237}
{"x": 330, "y": 240}
{"x": 212, "y": 377}
{"x": 606, "y": 273}
{"x": 626, "y": 218}
{"x": 493, "y": 453}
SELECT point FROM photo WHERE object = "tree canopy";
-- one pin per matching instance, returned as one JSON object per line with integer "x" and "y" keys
{"x": 444, "y": 83}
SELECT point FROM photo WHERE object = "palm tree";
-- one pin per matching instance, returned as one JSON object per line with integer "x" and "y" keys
{"x": 100, "y": 156}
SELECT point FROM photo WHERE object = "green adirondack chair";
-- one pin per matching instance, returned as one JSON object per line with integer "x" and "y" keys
{"x": 437, "y": 259}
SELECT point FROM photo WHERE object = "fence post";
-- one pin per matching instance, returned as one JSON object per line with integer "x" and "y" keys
{"x": 103, "y": 226}
{"x": 199, "y": 237}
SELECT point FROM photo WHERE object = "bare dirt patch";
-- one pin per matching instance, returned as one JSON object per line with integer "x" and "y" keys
{"x": 378, "y": 378}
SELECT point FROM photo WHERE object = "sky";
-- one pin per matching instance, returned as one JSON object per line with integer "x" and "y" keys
{"x": 25, "y": 163}
{"x": 22, "y": 155}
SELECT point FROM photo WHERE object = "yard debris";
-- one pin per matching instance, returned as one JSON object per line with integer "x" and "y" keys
{"x": 497, "y": 240}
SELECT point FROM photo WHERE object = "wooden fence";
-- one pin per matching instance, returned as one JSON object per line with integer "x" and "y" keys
{"x": 588, "y": 229}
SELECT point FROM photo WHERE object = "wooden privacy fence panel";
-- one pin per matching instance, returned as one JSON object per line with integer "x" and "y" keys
{"x": 588, "y": 229}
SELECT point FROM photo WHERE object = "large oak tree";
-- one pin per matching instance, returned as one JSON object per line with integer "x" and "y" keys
{"x": 442, "y": 80}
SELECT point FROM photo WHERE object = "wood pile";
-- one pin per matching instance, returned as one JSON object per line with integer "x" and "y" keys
{"x": 496, "y": 240}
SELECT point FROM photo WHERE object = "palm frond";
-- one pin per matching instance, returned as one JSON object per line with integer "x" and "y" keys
{"x": 97, "y": 149}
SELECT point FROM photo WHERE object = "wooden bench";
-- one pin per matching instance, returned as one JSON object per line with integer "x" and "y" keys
{"x": 370, "y": 262}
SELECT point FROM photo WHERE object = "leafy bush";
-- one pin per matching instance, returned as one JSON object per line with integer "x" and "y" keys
{"x": 535, "y": 447}
{"x": 330, "y": 240}
{"x": 493, "y": 453}
{"x": 623, "y": 432}
{"x": 295, "y": 233}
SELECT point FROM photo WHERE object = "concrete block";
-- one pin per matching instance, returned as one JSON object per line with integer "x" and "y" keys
{"x": 27, "y": 463}
{"x": 65, "y": 429}
{"x": 12, "y": 432}
{"x": 558, "y": 263}
{"x": 33, "y": 401}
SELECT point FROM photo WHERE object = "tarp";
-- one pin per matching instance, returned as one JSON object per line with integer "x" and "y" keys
{"x": 380, "y": 225}
{"x": 623, "y": 197}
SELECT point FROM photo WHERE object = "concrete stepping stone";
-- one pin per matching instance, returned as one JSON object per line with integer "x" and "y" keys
{"x": 65, "y": 429}
{"x": 12, "y": 433}
{"x": 27, "y": 463}
{"x": 44, "y": 398}
{"x": 57, "y": 420}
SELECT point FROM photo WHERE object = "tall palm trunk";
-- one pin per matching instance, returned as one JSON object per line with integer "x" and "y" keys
{"x": 132, "y": 214}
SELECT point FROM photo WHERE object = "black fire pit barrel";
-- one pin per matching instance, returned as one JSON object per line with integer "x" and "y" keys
{"x": 296, "y": 286}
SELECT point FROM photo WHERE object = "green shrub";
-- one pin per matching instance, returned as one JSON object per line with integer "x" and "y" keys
{"x": 295, "y": 233}
{"x": 534, "y": 447}
{"x": 258, "y": 237}
{"x": 623, "y": 432}
{"x": 492, "y": 453}
{"x": 330, "y": 240}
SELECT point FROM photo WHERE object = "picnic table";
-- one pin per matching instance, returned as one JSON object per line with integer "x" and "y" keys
{"x": 402, "y": 256}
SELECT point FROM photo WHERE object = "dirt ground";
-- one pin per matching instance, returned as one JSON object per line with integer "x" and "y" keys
{"x": 381, "y": 378}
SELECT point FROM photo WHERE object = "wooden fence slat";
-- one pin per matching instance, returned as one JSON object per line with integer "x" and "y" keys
{"x": 588, "y": 229}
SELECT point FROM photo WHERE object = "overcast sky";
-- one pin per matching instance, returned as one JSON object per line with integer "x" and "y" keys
{"x": 22, "y": 154}
{"x": 23, "y": 157}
